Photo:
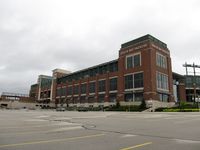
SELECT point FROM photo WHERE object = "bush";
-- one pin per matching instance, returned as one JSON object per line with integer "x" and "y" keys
{"x": 143, "y": 105}
{"x": 125, "y": 108}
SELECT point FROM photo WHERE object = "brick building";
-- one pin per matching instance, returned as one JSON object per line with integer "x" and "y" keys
{"x": 141, "y": 72}
{"x": 44, "y": 90}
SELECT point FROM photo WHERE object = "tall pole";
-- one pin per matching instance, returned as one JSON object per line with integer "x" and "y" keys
{"x": 186, "y": 68}
{"x": 194, "y": 82}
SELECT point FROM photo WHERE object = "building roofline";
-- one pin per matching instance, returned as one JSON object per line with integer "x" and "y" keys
{"x": 102, "y": 64}
{"x": 45, "y": 76}
{"x": 147, "y": 37}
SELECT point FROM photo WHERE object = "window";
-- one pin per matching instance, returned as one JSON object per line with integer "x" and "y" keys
{"x": 137, "y": 97}
{"x": 82, "y": 99}
{"x": 102, "y": 85}
{"x": 163, "y": 97}
{"x": 92, "y": 87}
{"x": 162, "y": 81}
{"x": 134, "y": 81}
{"x": 128, "y": 97}
{"x": 101, "y": 98}
{"x": 69, "y": 90}
{"x": 133, "y": 61}
{"x": 113, "y": 67}
{"x": 161, "y": 61}
{"x": 58, "y": 92}
{"x": 113, "y": 84}
{"x": 138, "y": 80}
{"x": 129, "y": 62}
{"x": 63, "y": 91}
{"x": 136, "y": 59}
{"x": 112, "y": 97}
{"x": 83, "y": 88}
{"x": 76, "y": 90}
{"x": 91, "y": 99}
{"x": 103, "y": 69}
{"x": 129, "y": 81}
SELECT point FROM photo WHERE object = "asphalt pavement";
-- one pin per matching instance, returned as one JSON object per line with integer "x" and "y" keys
{"x": 69, "y": 130}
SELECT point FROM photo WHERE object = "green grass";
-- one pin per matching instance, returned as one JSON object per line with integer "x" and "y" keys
{"x": 181, "y": 110}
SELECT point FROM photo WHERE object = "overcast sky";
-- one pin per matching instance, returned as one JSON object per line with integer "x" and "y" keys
{"x": 37, "y": 36}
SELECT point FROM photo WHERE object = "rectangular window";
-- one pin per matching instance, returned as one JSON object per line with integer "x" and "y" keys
{"x": 129, "y": 62}
{"x": 136, "y": 97}
{"x": 136, "y": 59}
{"x": 92, "y": 87}
{"x": 82, "y": 99}
{"x": 102, "y": 85}
{"x": 133, "y": 61}
{"x": 76, "y": 90}
{"x": 128, "y": 97}
{"x": 69, "y": 90}
{"x": 58, "y": 92}
{"x": 91, "y": 99}
{"x": 163, "y": 97}
{"x": 113, "y": 67}
{"x": 63, "y": 91}
{"x": 129, "y": 81}
{"x": 83, "y": 88}
{"x": 113, "y": 97}
{"x": 113, "y": 84}
{"x": 162, "y": 81}
{"x": 101, "y": 98}
{"x": 138, "y": 80}
{"x": 134, "y": 81}
{"x": 161, "y": 61}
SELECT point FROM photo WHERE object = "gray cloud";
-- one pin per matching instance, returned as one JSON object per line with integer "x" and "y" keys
{"x": 38, "y": 36}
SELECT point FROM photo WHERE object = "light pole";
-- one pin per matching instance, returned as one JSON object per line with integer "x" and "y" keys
{"x": 194, "y": 86}
{"x": 177, "y": 98}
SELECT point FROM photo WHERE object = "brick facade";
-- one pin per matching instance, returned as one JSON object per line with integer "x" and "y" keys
{"x": 147, "y": 47}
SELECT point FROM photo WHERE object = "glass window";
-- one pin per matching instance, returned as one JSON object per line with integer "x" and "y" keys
{"x": 76, "y": 90}
{"x": 128, "y": 97}
{"x": 82, "y": 99}
{"x": 113, "y": 84}
{"x": 113, "y": 97}
{"x": 92, "y": 87}
{"x": 102, "y": 85}
{"x": 129, "y": 81}
{"x": 163, "y": 97}
{"x": 101, "y": 98}
{"x": 91, "y": 99}
{"x": 138, "y": 97}
{"x": 69, "y": 90}
{"x": 136, "y": 59}
{"x": 63, "y": 91}
{"x": 113, "y": 67}
{"x": 161, "y": 61}
{"x": 162, "y": 81}
{"x": 133, "y": 61}
{"x": 138, "y": 80}
{"x": 83, "y": 88}
{"x": 129, "y": 62}
{"x": 58, "y": 92}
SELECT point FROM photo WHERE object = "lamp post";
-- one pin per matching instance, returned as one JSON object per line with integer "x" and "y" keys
{"x": 194, "y": 86}
{"x": 177, "y": 98}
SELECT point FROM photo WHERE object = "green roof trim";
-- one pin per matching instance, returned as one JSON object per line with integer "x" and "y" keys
{"x": 144, "y": 38}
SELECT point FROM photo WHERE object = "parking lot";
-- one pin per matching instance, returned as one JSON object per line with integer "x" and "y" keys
{"x": 50, "y": 130}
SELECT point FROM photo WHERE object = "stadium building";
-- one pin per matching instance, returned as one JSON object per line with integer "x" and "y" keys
{"x": 141, "y": 72}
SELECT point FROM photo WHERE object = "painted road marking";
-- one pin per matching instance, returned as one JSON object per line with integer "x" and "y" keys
{"x": 51, "y": 141}
{"x": 48, "y": 131}
{"x": 136, "y": 146}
